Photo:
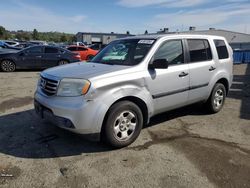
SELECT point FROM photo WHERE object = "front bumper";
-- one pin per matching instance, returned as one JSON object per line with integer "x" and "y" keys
{"x": 46, "y": 113}
{"x": 71, "y": 113}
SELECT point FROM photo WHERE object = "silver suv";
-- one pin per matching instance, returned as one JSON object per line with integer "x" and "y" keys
{"x": 133, "y": 79}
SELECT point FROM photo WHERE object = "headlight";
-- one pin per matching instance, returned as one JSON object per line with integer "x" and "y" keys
{"x": 73, "y": 87}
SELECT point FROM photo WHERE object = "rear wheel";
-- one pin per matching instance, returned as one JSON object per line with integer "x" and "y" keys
{"x": 89, "y": 57}
{"x": 63, "y": 62}
{"x": 123, "y": 125}
{"x": 217, "y": 98}
{"x": 8, "y": 66}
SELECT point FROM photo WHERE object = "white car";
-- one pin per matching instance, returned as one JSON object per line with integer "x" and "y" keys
{"x": 11, "y": 43}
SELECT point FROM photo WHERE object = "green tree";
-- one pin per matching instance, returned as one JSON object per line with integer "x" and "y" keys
{"x": 63, "y": 38}
{"x": 73, "y": 38}
{"x": 23, "y": 35}
{"x": 3, "y": 32}
{"x": 18, "y": 36}
{"x": 35, "y": 35}
{"x": 26, "y": 36}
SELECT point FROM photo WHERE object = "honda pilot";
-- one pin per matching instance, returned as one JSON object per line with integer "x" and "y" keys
{"x": 132, "y": 80}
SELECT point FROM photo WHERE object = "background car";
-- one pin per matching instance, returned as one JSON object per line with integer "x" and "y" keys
{"x": 4, "y": 46}
{"x": 24, "y": 45}
{"x": 36, "y": 57}
{"x": 11, "y": 43}
{"x": 85, "y": 52}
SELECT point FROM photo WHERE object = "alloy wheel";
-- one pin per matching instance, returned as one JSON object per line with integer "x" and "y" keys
{"x": 8, "y": 66}
{"x": 218, "y": 98}
{"x": 124, "y": 125}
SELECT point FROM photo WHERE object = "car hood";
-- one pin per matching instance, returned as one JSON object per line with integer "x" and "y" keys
{"x": 83, "y": 70}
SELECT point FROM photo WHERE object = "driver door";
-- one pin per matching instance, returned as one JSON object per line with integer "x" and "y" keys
{"x": 32, "y": 57}
{"x": 169, "y": 87}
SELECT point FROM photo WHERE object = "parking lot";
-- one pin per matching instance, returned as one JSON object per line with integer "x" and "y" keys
{"x": 181, "y": 148}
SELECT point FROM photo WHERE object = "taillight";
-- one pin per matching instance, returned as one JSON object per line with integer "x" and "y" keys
{"x": 77, "y": 56}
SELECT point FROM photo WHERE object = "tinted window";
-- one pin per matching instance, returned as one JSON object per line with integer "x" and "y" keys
{"x": 49, "y": 50}
{"x": 172, "y": 51}
{"x": 199, "y": 50}
{"x": 221, "y": 49}
{"x": 35, "y": 49}
{"x": 72, "y": 49}
{"x": 82, "y": 49}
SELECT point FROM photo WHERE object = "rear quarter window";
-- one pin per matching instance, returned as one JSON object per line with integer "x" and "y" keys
{"x": 49, "y": 50}
{"x": 221, "y": 49}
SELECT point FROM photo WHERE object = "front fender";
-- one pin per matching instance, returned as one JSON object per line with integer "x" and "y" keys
{"x": 106, "y": 99}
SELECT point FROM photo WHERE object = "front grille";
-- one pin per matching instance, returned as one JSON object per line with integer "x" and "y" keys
{"x": 48, "y": 86}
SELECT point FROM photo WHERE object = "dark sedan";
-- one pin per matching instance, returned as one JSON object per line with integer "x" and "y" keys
{"x": 36, "y": 57}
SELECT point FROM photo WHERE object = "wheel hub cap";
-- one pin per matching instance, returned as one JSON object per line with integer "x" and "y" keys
{"x": 218, "y": 98}
{"x": 124, "y": 125}
{"x": 8, "y": 66}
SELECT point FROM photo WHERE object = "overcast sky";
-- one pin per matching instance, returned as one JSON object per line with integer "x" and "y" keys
{"x": 119, "y": 16}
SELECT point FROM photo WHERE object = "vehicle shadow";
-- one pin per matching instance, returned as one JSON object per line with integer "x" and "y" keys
{"x": 241, "y": 90}
{"x": 25, "y": 135}
{"x": 194, "y": 109}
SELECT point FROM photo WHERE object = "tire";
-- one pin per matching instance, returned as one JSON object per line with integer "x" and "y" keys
{"x": 63, "y": 62}
{"x": 123, "y": 124}
{"x": 89, "y": 57}
{"x": 8, "y": 66}
{"x": 217, "y": 98}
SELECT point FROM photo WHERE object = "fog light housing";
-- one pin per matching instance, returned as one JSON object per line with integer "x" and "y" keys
{"x": 64, "y": 123}
{"x": 68, "y": 124}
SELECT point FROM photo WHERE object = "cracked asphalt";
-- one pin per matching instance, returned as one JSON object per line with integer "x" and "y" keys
{"x": 181, "y": 148}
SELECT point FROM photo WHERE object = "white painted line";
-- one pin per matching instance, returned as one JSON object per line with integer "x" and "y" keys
{"x": 238, "y": 83}
{"x": 235, "y": 90}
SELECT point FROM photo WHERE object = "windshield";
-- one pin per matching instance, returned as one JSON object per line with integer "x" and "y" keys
{"x": 124, "y": 52}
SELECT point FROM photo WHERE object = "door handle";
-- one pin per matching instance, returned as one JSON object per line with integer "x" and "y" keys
{"x": 211, "y": 68}
{"x": 183, "y": 74}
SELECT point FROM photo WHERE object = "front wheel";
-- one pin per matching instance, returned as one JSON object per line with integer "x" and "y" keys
{"x": 8, "y": 66}
{"x": 217, "y": 98}
{"x": 123, "y": 124}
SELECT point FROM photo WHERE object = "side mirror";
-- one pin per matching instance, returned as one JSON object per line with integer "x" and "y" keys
{"x": 158, "y": 64}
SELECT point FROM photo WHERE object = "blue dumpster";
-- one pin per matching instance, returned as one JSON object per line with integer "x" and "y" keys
{"x": 247, "y": 57}
{"x": 238, "y": 57}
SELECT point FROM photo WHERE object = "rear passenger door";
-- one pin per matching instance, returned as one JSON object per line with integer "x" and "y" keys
{"x": 201, "y": 68}
{"x": 51, "y": 57}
